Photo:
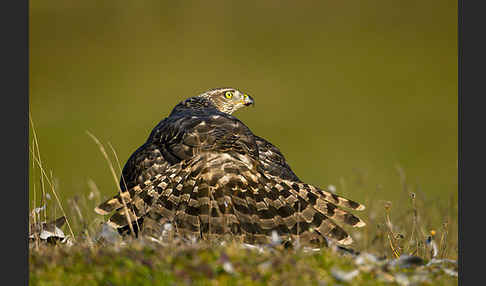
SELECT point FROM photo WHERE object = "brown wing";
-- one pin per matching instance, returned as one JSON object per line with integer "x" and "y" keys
{"x": 273, "y": 161}
{"x": 181, "y": 137}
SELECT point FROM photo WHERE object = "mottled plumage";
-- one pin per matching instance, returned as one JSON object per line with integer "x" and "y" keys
{"x": 203, "y": 170}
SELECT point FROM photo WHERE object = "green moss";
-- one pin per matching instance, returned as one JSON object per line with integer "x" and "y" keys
{"x": 199, "y": 265}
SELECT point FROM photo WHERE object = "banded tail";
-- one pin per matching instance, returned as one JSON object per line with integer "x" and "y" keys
{"x": 214, "y": 195}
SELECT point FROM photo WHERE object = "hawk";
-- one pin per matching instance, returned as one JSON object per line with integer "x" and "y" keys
{"x": 204, "y": 171}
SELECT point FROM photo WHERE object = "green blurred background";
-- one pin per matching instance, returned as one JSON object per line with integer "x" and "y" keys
{"x": 348, "y": 90}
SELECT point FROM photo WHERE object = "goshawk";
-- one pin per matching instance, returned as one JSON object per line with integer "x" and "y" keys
{"x": 204, "y": 171}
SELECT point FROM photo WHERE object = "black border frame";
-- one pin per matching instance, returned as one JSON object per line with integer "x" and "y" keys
{"x": 14, "y": 20}
{"x": 471, "y": 155}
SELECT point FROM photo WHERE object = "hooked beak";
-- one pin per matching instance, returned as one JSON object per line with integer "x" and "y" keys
{"x": 248, "y": 100}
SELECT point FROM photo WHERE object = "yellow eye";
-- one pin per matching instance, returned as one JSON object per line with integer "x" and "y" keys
{"x": 228, "y": 94}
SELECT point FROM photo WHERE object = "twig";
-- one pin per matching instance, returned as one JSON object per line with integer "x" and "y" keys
{"x": 102, "y": 149}
{"x": 55, "y": 195}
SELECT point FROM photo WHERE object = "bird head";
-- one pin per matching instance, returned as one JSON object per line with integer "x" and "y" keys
{"x": 227, "y": 99}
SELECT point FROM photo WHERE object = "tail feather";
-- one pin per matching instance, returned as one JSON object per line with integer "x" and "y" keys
{"x": 214, "y": 195}
{"x": 116, "y": 202}
{"x": 315, "y": 212}
{"x": 139, "y": 200}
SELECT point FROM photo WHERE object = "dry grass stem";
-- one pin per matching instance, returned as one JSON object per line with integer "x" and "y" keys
{"x": 123, "y": 179}
{"x": 102, "y": 149}
{"x": 37, "y": 159}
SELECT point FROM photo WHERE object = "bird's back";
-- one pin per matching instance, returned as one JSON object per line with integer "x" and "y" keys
{"x": 193, "y": 126}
